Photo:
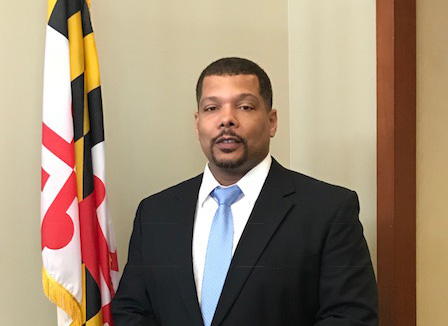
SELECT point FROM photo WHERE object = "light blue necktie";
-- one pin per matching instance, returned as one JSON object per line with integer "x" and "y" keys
{"x": 219, "y": 251}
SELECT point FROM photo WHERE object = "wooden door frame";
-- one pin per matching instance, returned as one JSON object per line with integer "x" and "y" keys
{"x": 396, "y": 161}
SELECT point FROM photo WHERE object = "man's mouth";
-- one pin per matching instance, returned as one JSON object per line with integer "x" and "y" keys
{"x": 228, "y": 140}
{"x": 228, "y": 143}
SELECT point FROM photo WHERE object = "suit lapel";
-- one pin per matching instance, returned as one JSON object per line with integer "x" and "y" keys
{"x": 179, "y": 239}
{"x": 269, "y": 211}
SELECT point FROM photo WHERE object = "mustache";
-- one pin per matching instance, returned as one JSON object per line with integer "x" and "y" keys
{"x": 228, "y": 133}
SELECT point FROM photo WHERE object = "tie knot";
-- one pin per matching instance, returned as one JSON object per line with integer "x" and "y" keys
{"x": 226, "y": 196}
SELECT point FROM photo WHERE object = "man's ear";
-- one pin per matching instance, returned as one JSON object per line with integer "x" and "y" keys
{"x": 196, "y": 117}
{"x": 273, "y": 122}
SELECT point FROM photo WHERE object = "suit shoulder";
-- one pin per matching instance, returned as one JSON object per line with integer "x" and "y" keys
{"x": 186, "y": 186}
{"x": 323, "y": 197}
{"x": 310, "y": 185}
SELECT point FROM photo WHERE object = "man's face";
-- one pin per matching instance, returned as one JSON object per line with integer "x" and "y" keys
{"x": 233, "y": 124}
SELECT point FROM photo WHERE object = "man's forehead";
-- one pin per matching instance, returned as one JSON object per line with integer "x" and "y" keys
{"x": 235, "y": 77}
{"x": 217, "y": 82}
{"x": 215, "y": 86}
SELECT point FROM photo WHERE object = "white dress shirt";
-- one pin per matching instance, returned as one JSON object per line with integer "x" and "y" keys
{"x": 250, "y": 185}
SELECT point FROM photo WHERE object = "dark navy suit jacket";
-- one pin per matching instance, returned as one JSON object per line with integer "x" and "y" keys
{"x": 302, "y": 260}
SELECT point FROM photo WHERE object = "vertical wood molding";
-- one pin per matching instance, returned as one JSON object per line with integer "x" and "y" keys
{"x": 396, "y": 160}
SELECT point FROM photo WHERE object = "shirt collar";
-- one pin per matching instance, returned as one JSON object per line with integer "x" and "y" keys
{"x": 250, "y": 184}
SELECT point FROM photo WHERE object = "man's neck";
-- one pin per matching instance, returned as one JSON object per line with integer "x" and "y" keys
{"x": 227, "y": 177}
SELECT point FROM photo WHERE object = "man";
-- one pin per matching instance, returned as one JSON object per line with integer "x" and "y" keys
{"x": 248, "y": 242}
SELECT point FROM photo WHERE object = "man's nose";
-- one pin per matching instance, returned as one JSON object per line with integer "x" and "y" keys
{"x": 228, "y": 117}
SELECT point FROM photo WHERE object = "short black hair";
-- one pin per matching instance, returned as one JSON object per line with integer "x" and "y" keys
{"x": 237, "y": 66}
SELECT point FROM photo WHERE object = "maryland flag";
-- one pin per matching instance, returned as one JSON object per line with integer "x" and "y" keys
{"x": 80, "y": 269}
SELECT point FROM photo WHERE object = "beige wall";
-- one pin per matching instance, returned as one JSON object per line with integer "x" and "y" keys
{"x": 333, "y": 97}
{"x": 432, "y": 162}
{"x": 21, "y": 64}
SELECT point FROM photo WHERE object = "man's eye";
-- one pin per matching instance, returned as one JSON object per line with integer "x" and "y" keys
{"x": 246, "y": 107}
{"x": 210, "y": 108}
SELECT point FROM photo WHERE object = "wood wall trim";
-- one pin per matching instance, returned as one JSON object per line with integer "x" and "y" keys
{"x": 396, "y": 160}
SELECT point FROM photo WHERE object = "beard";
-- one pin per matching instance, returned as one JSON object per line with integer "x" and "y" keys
{"x": 229, "y": 164}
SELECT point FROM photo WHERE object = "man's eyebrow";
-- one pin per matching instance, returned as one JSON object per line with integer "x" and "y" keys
{"x": 244, "y": 96}
{"x": 240, "y": 97}
{"x": 210, "y": 98}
